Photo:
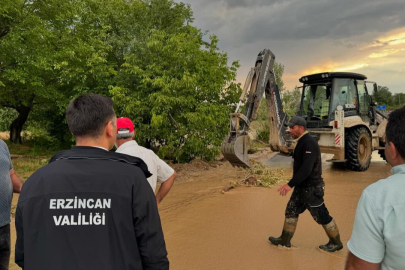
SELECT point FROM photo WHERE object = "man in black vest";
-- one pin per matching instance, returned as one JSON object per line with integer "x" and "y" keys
{"x": 308, "y": 189}
{"x": 90, "y": 208}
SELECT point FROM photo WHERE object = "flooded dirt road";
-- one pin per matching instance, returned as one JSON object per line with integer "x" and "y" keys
{"x": 231, "y": 230}
{"x": 205, "y": 229}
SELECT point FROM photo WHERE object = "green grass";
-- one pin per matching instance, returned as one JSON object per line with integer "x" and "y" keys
{"x": 35, "y": 144}
{"x": 25, "y": 166}
{"x": 30, "y": 148}
{"x": 29, "y": 156}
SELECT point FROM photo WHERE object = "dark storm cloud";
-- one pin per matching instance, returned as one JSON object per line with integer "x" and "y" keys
{"x": 307, "y": 35}
{"x": 297, "y": 19}
{"x": 326, "y": 19}
{"x": 231, "y": 4}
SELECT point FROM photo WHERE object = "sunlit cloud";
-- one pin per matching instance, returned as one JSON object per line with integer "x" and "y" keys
{"x": 333, "y": 67}
{"x": 384, "y": 53}
{"x": 397, "y": 41}
{"x": 392, "y": 38}
{"x": 319, "y": 67}
{"x": 351, "y": 68}
{"x": 378, "y": 55}
{"x": 291, "y": 79}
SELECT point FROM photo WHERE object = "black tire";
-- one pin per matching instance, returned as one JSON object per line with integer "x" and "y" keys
{"x": 358, "y": 149}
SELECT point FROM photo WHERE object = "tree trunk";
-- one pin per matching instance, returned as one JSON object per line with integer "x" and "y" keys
{"x": 18, "y": 123}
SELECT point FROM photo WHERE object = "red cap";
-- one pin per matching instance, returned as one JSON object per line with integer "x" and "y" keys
{"x": 124, "y": 125}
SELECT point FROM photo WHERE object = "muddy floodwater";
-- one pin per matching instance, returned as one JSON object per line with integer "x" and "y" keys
{"x": 206, "y": 229}
{"x": 231, "y": 230}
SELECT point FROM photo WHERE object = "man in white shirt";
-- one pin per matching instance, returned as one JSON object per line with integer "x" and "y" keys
{"x": 378, "y": 237}
{"x": 161, "y": 172}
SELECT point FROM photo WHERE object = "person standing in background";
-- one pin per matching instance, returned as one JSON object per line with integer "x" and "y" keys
{"x": 161, "y": 172}
{"x": 9, "y": 182}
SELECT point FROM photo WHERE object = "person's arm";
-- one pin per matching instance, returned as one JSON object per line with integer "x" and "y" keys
{"x": 366, "y": 245}
{"x": 165, "y": 188}
{"x": 354, "y": 263}
{"x": 147, "y": 226}
{"x": 309, "y": 154}
{"x": 17, "y": 183}
{"x": 15, "y": 180}
{"x": 165, "y": 175}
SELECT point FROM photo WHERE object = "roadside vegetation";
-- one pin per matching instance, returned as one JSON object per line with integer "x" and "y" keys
{"x": 167, "y": 75}
{"x": 27, "y": 157}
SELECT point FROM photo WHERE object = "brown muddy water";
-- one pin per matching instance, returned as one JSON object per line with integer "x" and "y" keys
{"x": 205, "y": 229}
{"x": 231, "y": 230}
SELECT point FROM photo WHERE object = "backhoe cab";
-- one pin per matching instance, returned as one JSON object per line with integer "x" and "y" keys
{"x": 341, "y": 116}
{"x": 337, "y": 106}
{"x": 324, "y": 92}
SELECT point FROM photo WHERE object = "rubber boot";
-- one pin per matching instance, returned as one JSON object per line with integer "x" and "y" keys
{"x": 290, "y": 224}
{"x": 334, "y": 243}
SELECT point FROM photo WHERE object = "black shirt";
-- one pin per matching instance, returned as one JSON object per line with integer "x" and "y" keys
{"x": 307, "y": 163}
{"x": 89, "y": 209}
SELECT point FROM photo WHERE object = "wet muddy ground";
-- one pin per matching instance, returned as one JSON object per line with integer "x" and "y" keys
{"x": 206, "y": 229}
{"x": 231, "y": 230}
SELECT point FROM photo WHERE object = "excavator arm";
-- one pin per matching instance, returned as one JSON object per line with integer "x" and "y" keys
{"x": 259, "y": 82}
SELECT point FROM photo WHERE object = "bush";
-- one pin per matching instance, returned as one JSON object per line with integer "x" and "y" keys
{"x": 7, "y": 116}
{"x": 263, "y": 132}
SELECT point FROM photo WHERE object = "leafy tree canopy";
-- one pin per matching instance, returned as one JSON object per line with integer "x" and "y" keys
{"x": 165, "y": 74}
{"x": 383, "y": 96}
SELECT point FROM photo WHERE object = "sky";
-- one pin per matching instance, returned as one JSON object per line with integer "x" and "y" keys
{"x": 310, "y": 36}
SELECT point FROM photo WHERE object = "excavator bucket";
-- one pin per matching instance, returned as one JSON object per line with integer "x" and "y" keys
{"x": 235, "y": 146}
{"x": 235, "y": 150}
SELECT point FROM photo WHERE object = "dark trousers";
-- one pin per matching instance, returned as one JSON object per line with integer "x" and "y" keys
{"x": 311, "y": 199}
{"x": 4, "y": 247}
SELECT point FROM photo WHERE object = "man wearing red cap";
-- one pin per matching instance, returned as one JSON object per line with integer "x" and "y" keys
{"x": 161, "y": 172}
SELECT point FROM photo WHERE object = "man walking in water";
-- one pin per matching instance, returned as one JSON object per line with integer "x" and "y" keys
{"x": 308, "y": 189}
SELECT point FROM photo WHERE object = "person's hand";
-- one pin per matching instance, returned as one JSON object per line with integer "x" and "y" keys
{"x": 284, "y": 189}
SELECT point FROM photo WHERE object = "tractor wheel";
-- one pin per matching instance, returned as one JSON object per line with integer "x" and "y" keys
{"x": 358, "y": 149}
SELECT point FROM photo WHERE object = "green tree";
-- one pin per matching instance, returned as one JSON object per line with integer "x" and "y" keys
{"x": 49, "y": 52}
{"x": 162, "y": 72}
{"x": 398, "y": 100}
{"x": 176, "y": 86}
{"x": 6, "y": 116}
{"x": 291, "y": 101}
{"x": 180, "y": 92}
{"x": 278, "y": 69}
{"x": 382, "y": 96}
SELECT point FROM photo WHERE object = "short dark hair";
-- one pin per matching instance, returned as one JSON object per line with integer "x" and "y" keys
{"x": 88, "y": 114}
{"x": 395, "y": 130}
